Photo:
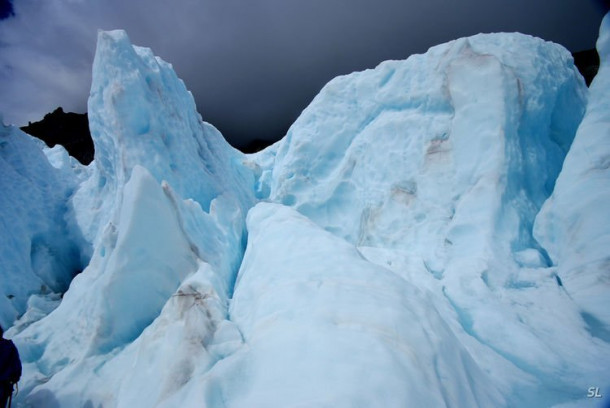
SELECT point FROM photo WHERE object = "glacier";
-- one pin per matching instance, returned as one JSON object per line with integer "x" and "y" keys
{"x": 431, "y": 232}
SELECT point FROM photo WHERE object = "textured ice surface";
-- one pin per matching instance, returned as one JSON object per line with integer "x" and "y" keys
{"x": 467, "y": 124}
{"x": 142, "y": 114}
{"x": 326, "y": 327}
{"x": 142, "y": 265}
{"x": 390, "y": 260}
{"x": 574, "y": 224}
{"x": 40, "y": 250}
{"x": 438, "y": 175}
{"x": 164, "y": 209}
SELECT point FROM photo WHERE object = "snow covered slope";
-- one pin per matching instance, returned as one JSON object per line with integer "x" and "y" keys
{"x": 391, "y": 258}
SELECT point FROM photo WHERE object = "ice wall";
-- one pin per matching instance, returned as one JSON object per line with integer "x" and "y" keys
{"x": 573, "y": 225}
{"x": 416, "y": 153}
{"x": 435, "y": 168}
{"x": 40, "y": 248}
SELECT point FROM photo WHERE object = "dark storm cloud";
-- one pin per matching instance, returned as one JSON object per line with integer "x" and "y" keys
{"x": 253, "y": 65}
{"x": 6, "y": 9}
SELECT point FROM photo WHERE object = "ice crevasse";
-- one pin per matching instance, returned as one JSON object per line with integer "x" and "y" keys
{"x": 429, "y": 233}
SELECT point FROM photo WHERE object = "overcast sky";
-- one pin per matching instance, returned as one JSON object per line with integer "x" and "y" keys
{"x": 252, "y": 65}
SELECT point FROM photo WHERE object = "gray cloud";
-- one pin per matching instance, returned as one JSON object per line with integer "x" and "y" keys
{"x": 252, "y": 65}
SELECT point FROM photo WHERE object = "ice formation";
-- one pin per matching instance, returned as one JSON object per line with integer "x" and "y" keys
{"x": 417, "y": 239}
{"x": 573, "y": 225}
{"x": 39, "y": 243}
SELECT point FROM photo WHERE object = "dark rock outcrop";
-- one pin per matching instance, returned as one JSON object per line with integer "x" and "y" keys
{"x": 255, "y": 145}
{"x": 71, "y": 130}
{"x": 587, "y": 62}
